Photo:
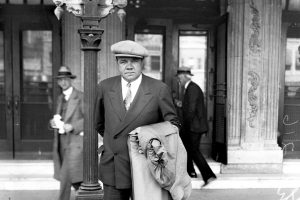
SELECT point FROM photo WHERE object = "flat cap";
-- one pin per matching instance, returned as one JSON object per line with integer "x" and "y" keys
{"x": 128, "y": 48}
{"x": 184, "y": 70}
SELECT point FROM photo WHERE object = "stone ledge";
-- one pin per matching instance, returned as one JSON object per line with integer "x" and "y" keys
{"x": 255, "y": 156}
{"x": 254, "y": 168}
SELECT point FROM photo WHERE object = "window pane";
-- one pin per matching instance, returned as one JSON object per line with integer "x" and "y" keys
{"x": 291, "y": 119}
{"x": 193, "y": 53}
{"x": 154, "y": 62}
{"x": 37, "y": 84}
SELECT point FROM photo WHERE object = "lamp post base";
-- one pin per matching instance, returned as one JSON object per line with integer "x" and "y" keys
{"x": 89, "y": 194}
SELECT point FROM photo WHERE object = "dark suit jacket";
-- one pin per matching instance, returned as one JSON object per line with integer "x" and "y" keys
{"x": 72, "y": 160}
{"x": 152, "y": 104}
{"x": 194, "y": 111}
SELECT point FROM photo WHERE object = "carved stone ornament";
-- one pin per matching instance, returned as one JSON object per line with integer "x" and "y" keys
{"x": 252, "y": 97}
{"x": 72, "y": 6}
{"x": 90, "y": 39}
{"x": 255, "y": 26}
{"x": 105, "y": 7}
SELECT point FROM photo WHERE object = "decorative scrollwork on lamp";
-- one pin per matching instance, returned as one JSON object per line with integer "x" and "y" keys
{"x": 105, "y": 7}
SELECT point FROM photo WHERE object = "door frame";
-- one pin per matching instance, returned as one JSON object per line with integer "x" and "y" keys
{"x": 220, "y": 147}
{"x": 206, "y": 140}
{"x": 13, "y": 17}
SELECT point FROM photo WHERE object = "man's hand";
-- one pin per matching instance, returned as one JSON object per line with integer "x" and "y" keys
{"x": 52, "y": 124}
{"x": 68, "y": 128}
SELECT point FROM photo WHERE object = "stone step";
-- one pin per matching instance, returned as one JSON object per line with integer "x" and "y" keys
{"x": 250, "y": 181}
{"x": 38, "y": 175}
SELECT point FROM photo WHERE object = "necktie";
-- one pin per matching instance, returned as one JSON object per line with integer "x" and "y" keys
{"x": 128, "y": 97}
{"x": 63, "y": 107}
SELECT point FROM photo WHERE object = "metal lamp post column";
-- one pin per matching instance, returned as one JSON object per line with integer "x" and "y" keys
{"x": 90, "y": 40}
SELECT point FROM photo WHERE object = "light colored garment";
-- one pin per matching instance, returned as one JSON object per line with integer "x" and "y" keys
{"x": 68, "y": 148}
{"x": 144, "y": 186}
{"x": 168, "y": 167}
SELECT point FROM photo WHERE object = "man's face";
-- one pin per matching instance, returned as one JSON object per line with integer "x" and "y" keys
{"x": 65, "y": 83}
{"x": 130, "y": 68}
{"x": 181, "y": 78}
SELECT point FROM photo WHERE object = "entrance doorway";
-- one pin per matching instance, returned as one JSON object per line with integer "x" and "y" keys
{"x": 29, "y": 53}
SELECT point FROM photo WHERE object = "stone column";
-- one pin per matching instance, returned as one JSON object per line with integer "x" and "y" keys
{"x": 254, "y": 40}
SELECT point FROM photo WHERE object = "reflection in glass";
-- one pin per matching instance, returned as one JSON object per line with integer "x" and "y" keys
{"x": 154, "y": 62}
{"x": 192, "y": 54}
{"x": 36, "y": 84}
{"x": 290, "y": 137}
{"x": 2, "y": 89}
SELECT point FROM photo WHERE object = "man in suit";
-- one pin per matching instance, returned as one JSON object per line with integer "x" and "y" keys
{"x": 124, "y": 103}
{"x": 68, "y": 137}
{"x": 194, "y": 121}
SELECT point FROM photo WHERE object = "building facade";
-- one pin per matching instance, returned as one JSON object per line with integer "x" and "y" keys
{"x": 244, "y": 55}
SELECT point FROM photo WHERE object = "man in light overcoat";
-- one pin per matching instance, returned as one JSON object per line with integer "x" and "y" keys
{"x": 68, "y": 136}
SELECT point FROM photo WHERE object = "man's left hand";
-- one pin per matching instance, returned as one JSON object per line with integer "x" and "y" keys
{"x": 68, "y": 128}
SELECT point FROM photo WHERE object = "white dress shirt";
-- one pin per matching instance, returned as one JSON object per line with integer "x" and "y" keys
{"x": 68, "y": 93}
{"x": 134, "y": 87}
{"x": 187, "y": 84}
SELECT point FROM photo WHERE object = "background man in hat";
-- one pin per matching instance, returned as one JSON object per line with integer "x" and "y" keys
{"x": 68, "y": 141}
{"x": 194, "y": 121}
{"x": 124, "y": 103}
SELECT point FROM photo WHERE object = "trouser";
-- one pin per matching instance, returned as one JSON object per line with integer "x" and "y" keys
{"x": 191, "y": 142}
{"x": 65, "y": 189}
{"x": 112, "y": 193}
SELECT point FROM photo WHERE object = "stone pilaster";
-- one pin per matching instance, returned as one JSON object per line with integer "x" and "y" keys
{"x": 254, "y": 40}
{"x": 114, "y": 32}
{"x": 72, "y": 54}
{"x": 234, "y": 71}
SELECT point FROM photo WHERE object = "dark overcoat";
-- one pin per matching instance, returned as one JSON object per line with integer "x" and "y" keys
{"x": 194, "y": 111}
{"x": 68, "y": 161}
{"x": 151, "y": 104}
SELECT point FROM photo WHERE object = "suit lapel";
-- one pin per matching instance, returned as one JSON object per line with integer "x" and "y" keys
{"x": 72, "y": 104}
{"x": 141, "y": 99}
{"x": 115, "y": 96}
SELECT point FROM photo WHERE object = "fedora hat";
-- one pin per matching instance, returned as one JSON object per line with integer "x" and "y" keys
{"x": 65, "y": 72}
{"x": 184, "y": 70}
{"x": 128, "y": 48}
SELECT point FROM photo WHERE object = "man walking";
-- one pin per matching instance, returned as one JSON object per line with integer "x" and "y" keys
{"x": 68, "y": 136}
{"x": 194, "y": 124}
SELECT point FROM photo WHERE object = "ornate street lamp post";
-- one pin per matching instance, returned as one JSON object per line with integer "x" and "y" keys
{"x": 90, "y": 12}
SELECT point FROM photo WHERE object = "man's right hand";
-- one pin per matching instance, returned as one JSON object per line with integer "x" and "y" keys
{"x": 52, "y": 124}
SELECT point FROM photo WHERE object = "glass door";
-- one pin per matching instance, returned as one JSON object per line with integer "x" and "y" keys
{"x": 26, "y": 87}
{"x": 152, "y": 38}
{"x": 289, "y": 139}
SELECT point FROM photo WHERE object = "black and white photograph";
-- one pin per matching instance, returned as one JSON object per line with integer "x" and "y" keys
{"x": 149, "y": 99}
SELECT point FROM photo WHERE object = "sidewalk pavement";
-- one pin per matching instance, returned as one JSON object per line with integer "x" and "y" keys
{"x": 199, "y": 194}
{"x": 33, "y": 180}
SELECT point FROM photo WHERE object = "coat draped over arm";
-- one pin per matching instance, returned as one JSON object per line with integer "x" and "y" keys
{"x": 158, "y": 172}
